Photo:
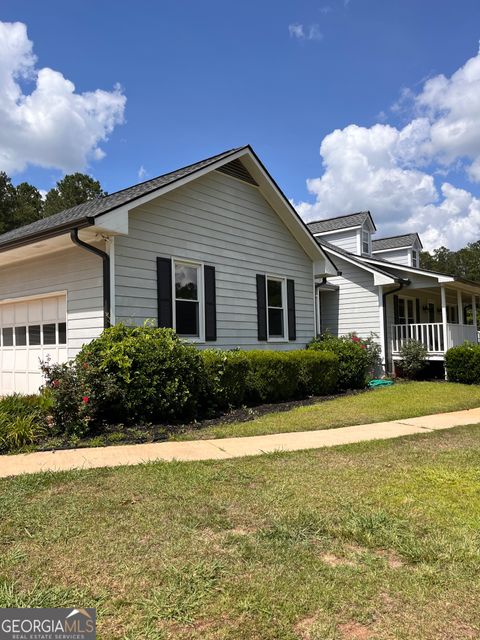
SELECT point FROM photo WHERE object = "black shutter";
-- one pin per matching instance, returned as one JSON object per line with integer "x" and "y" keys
{"x": 395, "y": 310}
{"x": 292, "y": 327}
{"x": 417, "y": 303}
{"x": 210, "y": 303}
{"x": 164, "y": 292}
{"x": 261, "y": 307}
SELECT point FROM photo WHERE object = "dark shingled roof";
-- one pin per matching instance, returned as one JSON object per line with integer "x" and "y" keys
{"x": 341, "y": 222}
{"x": 84, "y": 214}
{"x": 395, "y": 242}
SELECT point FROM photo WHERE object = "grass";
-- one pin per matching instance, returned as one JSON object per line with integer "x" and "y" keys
{"x": 375, "y": 541}
{"x": 405, "y": 400}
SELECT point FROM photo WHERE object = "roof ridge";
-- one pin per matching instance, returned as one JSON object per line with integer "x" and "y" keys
{"x": 344, "y": 215}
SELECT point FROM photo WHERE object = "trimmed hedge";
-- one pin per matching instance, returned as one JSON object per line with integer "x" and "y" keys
{"x": 224, "y": 375}
{"x": 463, "y": 364}
{"x": 354, "y": 359}
{"x": 144, "y": 374}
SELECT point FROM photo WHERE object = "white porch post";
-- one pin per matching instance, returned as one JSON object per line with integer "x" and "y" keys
{"x": 460, "y": 306}
{"x": 444, "y": 316}
{"x": 474, "y": 312}
{"x": 383, "y": 328}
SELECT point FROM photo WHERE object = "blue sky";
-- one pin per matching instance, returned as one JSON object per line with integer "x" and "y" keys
{"x": 201, "y": 77}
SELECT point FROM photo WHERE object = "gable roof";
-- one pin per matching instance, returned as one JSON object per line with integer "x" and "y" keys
{"x": 396, "y": 242}
{"x": 84, "y": 214}
{"x": 351, "y": 257}
{"x": 341, "y": 222}
{"x": 114, "y": 208}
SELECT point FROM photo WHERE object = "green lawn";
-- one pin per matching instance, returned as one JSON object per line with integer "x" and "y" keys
{"x": 372, "y": 541}
{"x": 404, "y": 400}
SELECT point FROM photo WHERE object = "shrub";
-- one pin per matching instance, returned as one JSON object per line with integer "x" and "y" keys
{"x": 128, "y": 375}
{"x": 69, "y": 411}
{"x": 413, "y": 358}
{"x": 23, "y": 420}
{"x": 272, "y": 376}
{"x": 19, "y": 431}
{"x": 463, "y": 363}
{"x": 224, "y": 375}
{"x": 354, "y": 360}
{"x": 318, "y": 372}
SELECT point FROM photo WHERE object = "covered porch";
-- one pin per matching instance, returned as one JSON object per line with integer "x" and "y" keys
{"x": 438, "y": 317}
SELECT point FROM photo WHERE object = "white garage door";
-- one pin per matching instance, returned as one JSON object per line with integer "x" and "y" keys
{"x": 31, "y": 330}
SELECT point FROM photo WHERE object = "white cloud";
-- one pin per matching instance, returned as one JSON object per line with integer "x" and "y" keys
{"x": 142, "y": 172}
{"x": 305, "y": 32}
{"x": 391, "y": 171}
{"x": 53, "y": 126}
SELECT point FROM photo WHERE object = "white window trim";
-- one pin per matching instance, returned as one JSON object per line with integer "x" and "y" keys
{"x": 201, "y": 299}
{"x": 283, "y": 280}
{"x": 415, "y": 258}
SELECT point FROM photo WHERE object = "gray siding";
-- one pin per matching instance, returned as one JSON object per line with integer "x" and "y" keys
{"x": 355, "y": 306}
{"x": 75, "y": 271}
{"x": 399, "y": 256}
{"x": 226, "y": 223}
{"x": 347, "y": 240}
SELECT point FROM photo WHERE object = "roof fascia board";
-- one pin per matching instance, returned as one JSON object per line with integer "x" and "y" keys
{"x": 324, "y": 233}
{"x": 393, "y": 265}
{"x": 405, "y": 246}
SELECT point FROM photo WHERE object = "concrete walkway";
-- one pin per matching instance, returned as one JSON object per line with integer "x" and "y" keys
{"x": 225, "y": 448}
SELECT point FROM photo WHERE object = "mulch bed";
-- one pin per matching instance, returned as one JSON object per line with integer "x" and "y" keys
{"x": 138, "y": 434}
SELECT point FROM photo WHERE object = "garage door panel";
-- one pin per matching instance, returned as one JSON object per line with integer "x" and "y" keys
{"x": 32, "y": 322}
{"x": 21, "y": 360}
{"x": 34, "y": 311}
{"x": 8, "y": 316}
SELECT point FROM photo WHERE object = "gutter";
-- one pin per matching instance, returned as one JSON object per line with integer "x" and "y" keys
{"x": 106, "y": 273}
{"x": 403, "y": 282}
{"x": 46, "y": 234}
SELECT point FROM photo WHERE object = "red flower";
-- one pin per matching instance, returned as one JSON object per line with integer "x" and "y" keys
{"x": 55, "y": 384}
{"x": 85, "y": 399}
{"x": 355, "y": 339}
{"x": 85, "y": 365}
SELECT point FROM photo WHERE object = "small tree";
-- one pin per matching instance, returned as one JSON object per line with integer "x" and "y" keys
{"x": 413, "y": 358}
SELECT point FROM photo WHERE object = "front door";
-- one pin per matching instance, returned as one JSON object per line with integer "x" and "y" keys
{"x": 406, "y": 311}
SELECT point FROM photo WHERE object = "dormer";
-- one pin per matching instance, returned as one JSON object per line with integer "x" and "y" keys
{"x": 351, "y": 233}
{"x": 404, "y": 249}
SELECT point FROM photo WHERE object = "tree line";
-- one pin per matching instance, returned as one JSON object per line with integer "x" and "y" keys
{"x": 23, "y": 203}
{"x": 464, "y": 262}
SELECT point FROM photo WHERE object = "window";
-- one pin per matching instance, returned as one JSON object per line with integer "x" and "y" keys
{"x": 415, "y": 262}
{"x": 20, "y": 336}
{"x": 7, "y": 336}
{"x": 62, "y": 333}
{"x": 34, "y": 334}
{"x": 275, "y": 308}
{"x": 187, "y": 294}
{"x": 49, "y": 336}
{"x": 366, "y": 241}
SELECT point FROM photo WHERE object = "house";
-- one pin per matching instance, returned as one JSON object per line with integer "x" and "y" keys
{"x": 383, "y": 290}
{"x": 214, "y": 250}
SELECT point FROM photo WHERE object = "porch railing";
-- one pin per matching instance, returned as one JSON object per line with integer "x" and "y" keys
{"x": 432, "y": 336}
